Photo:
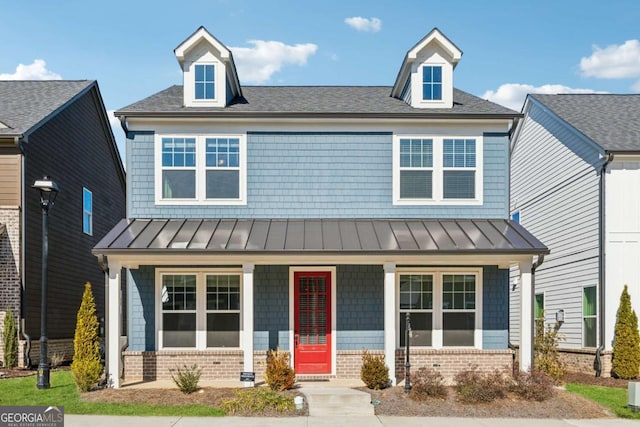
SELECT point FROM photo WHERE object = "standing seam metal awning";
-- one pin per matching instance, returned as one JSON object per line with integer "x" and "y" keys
{"x": 279, "y": 236}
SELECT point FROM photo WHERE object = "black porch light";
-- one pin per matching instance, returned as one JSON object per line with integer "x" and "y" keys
{"x": 48, "y": 191}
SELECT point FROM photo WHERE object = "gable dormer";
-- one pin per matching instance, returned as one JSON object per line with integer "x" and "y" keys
{"x": 425, "y": 79}
{"x": 209, "y": 74}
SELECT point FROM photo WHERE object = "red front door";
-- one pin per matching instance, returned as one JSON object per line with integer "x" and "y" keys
{"x": 312, "y": 322}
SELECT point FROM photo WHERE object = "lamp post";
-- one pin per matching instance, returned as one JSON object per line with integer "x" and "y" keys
{"x": 48, "y": 192}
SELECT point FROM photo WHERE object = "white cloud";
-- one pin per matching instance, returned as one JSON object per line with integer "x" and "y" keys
{"x": 364, "y": 24}
{"x": 258, "y": 63}
{"x": 512, "y": 95}
{"x": 36, "y": 71}
{"x": 613, "y": 62}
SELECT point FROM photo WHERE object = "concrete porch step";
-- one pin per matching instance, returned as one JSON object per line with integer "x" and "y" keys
{"x": 337, "y": 401}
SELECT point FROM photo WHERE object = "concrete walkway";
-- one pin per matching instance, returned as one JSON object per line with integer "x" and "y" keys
{"x": 331, "y": 421}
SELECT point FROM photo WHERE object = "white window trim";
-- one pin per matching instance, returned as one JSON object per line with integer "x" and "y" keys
{"x": 201, "y": 171}
{"x": 189, "y": 80}
{"x": 215, "y": 84}
{"x": 437, "y": 332}
{"x": 582, "y": 316}
{"x": 201, "y": 306}
{"x": 442, "y": 83}
{"x": 90, "y": 233}
{"x": 438, "y": 172}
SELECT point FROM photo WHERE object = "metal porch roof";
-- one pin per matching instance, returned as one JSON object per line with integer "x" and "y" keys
{"x": 322, "y": 236}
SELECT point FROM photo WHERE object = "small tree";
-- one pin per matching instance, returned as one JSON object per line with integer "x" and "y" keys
{"x": 626, "y": 344}
{"x": 10, "y": 339}
{"x": 86, "y": 366}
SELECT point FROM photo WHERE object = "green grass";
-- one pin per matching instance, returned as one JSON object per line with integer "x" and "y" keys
{"x": 613, "y": 398}
{"x": 63, "y": 392}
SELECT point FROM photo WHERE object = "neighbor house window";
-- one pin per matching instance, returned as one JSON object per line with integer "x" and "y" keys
{"x": 201, "y": 169}
{"x": 179, "y": 310}
{"x": 459, "y": 161}
{"x": 516, "y": 216}
{"x": 178, "y": 168}
{"x": 416, "y": 298}
{"x": 459, "y": 309}
{"x": 223, "y": 310}
{"x": 589, "y": 316}
{"x": 431, "y": 83}
{"x": 538, "y": 313}
{"x": 205, "y": 81}
{"x": 444, "y": 307}
{"x": 437, "y": 170}
{"x": 416, "y": 168}
{"x": 200, "y": 308}
{"x": 87, "y": 212}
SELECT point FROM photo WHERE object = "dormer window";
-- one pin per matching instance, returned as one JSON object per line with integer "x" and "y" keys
{"x": 432, "y": 83}
{"x": 205, "y": 82}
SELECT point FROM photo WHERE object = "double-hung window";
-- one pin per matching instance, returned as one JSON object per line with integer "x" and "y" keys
{"x": 205, "y": 81}
{"x": 200, "y": 309}
{"x": 432, "y": 83}
{"x": 201, "y": 169}
{"x": 459, "y": 168}
{"x": 416, "y": 168}
{"x": 589, "y": 316}
{"x": 538, "y": 314}
{"x": 87, "y": 212}
{"x": 444, "y": 306}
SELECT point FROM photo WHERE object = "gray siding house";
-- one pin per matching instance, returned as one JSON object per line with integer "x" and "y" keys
{"x": 575, "y": 176}
{"x": 313, "y": 219}
{"x": 60, "y": 129}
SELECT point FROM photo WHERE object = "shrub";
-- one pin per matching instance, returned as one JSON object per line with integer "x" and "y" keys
{"x": 533, "y": 385}
{"x": 374, "y": 373}
{"x": 56, "y": 359}
{"x": 279, "y": 375}
{"x": 86, "y": 366}
{"x": 256, "y": 400}
{"x": 10, "y": 340}
{"x": 546, "y": 356}
{"x": 427, "y": 383}
{"x": 474, "y": 387}
{"x": 626, "y": 344}
{"x": 186, "y": 379}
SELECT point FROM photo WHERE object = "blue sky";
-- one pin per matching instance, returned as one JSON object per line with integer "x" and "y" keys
{"x": 509, "y": 47}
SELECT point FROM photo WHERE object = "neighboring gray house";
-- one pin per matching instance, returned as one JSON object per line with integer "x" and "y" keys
{"x": 575, "y": 184}
{"x": 313, "y": 219}
{"x": 57, "y": 128}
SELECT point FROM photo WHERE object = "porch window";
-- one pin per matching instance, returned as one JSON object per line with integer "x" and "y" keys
{"x": 459, "y": 309}
{"x": 589, "y": 316}
{"x": 223, "y": 310}
{"x": 416, "y": 298}
{"x": 179, "y": 310}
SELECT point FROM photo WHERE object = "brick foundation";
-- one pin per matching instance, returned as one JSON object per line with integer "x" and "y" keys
{"x": 9, "y": 267}
{"x": 56, "y": 348}
{"x": 581, "y": 360}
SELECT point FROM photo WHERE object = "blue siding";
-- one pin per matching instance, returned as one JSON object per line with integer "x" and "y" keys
{"x": 271, "y": 307}
{"x": 495, "y": 302}
{"x": 317, "y": 175}
{"x": 360, "y": 307}
{"x": 141, "y": 304}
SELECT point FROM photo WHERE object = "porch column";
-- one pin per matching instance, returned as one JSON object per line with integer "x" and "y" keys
{"x": 113, "y": 322}
{"x": 526, "y": 316}
{"x": 390, "y": 319}
{"x": 247, "y": 319}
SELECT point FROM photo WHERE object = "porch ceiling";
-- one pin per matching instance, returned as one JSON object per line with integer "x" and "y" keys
{"x": 225, "y": 241}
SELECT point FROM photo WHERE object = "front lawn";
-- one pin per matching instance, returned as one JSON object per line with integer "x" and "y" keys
{"x": 613, "y": 398}
{"x": 63, "y": 392}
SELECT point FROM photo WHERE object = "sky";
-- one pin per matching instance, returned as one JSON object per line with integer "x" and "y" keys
{"x": 510, "y": 48}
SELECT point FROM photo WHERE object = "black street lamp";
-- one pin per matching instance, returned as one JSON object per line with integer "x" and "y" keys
{"x": 48, "y": 192}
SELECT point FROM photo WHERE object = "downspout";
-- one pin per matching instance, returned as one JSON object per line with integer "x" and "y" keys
{"x": 22, "y": 327}
{"x": 597, "y": 363}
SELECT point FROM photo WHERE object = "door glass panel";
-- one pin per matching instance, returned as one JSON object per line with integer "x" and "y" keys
{"x": 312, "y": 295}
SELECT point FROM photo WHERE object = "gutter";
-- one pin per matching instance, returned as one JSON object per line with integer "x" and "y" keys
{"x": 22, "y": 324}
{"x": 597, "y": 363}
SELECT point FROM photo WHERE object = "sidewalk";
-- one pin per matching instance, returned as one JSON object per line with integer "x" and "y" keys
{"x": 110, "y": 421}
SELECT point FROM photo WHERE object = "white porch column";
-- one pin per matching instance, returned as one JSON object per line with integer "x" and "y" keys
{"x": 247, "y": 319}
{"x": 114, "y": 323}
{"x": 526, "y": 316}
{"x": 390, "y": 319}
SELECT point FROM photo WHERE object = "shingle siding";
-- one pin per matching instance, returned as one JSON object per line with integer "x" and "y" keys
{"x": 271, "y": 307}
{"x": 141, "y": 304}
{"x": 495, "y": 317}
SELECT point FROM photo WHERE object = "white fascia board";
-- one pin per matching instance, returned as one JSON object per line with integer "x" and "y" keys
{"x": 436, "y": 36}
{"x": 201, "y": 34}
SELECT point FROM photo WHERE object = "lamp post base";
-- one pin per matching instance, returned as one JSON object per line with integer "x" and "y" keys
{"x": 43, "y": 376}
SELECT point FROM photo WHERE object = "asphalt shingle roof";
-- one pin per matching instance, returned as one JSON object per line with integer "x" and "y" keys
{"x": 337, "y": 100}
{"x": 611, "y": 121}
{"x": 25, "y": 103}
